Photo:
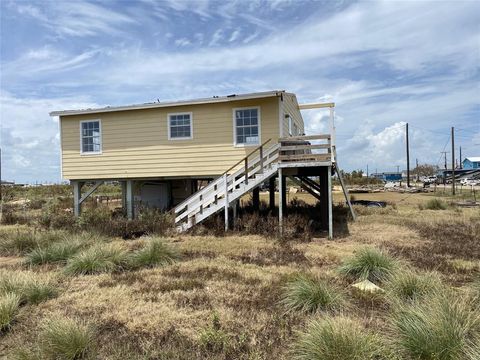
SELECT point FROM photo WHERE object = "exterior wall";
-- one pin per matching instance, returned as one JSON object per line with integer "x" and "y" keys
{"x": 290, "y": 107}
{"x": 467, "y": 164}
{"x": 135, "y": 143}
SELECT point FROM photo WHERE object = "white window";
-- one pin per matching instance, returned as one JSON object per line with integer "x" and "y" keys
{"x": 90, "y": 137}
{"x": 290, "y": 125}
{"x": 295, "y": 130}
{"x": 246, "y": 126}
{"x": 180, "y": 126}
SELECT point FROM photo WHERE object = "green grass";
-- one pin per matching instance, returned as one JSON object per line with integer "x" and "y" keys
{"x": 9, "y": 304}
{"x": 445, "y": 327}
{"x": 66, "y": 339}
{"x": 336, "y": 338}
{"x": 155, "y": 253}
{"x": 27, "y": 287}
{"x": 434, "y": 204}
{"x": 53, "y": 253}
{"x": 369, "y": 263}
{"x": 97, "y": 259}
{"x": 21, "y": 242}
{"x": 310, "y": 294}
{"x": 409, "y": 285}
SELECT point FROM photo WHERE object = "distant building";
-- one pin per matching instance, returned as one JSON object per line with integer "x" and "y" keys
{"x": 471, "y": 162}
{"x": 387, "y": 176}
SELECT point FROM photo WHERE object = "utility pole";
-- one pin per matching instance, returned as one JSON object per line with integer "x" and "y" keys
{"x": 408, "y": 158}
{"x": 460, "y": 162}
{"x": 453, "y": 160}
{"x": 445, "y": 172}
{"x": 367, "y": 175}
{"x": 416, "y": 167}
{"x": 398, "y": 169}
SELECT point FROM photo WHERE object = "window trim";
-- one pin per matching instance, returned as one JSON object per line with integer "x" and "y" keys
{"x": 234, "y": 110}
{"x": 89, "y": 153}
{"x": 191, "y": 126}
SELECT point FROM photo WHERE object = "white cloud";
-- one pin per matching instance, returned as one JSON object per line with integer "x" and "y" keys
{"x": 182, "y": 42}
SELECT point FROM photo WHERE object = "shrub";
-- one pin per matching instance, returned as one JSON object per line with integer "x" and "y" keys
{"x": 310, "y": 294}
{"x": 63, "y": 338}
{"x": 97, "y": 259}
{"x": 28, "y": 288}
{"x": 434, "y": 204}
{"x": 443, "y": 328}
{"x": 409, "y": 285}
{"x": 369, "y": 263}
{"x": 9, "y": 304}
{"x": 336, "y": 338}
{"x": 53, "y": 253}
{"x": 155, "y": 253}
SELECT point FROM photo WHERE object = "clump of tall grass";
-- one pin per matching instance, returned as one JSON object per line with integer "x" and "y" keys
{"x": 336, "y": 338}
{"x": 443, "y": 328}
{"x": 9, "y": 304}
{"x": 434, "y": 204}
{"x": 409, "y": 285}
{"x": 369, "y": 263}
{"x": 308, "y": 293}
{"x": 97, "y": 259}
{"x": 155, "y": 253}
{"x": 64, "y": 338}
{"x": 27, "y": 287}
{"x": 53, "y": 253}
{"x": 21, "y": 242}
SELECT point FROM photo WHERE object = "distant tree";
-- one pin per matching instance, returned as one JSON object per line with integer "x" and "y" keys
{"x": 425, "y": 170}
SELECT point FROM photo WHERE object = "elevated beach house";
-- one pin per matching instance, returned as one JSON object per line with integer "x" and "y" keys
{"x": 197, "y": 157}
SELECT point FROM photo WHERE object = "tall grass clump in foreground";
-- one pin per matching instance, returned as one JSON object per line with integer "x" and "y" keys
{"x": 336, "y": 338}
{"x": 97, "y": 259}
{"x": 369, "y": 263}
{"x": 411, "y": 286}
{"x": 443, "y": 328}
{"x": 434, "y": 204}
{"x": 54, "y": 253}
{"x": 309, "y": 294}
{"x": 27, "y": 287}
{"x": 63, "y": 338}
{"x": 21, "y": 242}
{"x": 9, "y": 304}
{"x": 155, "y": 253}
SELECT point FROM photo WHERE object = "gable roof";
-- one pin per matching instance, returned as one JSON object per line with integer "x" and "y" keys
{"x": 214, "y": 99}
{"x": 473, "y": 158}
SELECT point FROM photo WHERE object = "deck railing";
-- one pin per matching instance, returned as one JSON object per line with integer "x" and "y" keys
{"x": 301, "y": 149}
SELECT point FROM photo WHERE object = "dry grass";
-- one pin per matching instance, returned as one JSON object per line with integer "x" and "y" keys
{"x": 222, "y": 298}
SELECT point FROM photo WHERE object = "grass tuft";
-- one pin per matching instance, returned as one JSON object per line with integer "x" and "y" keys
{"x": 63, "y": 338}
{"x": 53, "y": 253}
{"x": 27, "y": 287}
{"x": 309, "y": 294}
{"x": 9, "y": 304}
{"x": 410, "y": 286}
{"x": 336, "y": 338}
{"x": 369, "y": 263}
{"x": 443, "y": 328}
{"x": 155, "y": 253}
{"x": 434, "y": 204}
{"x": 97, "y": 259}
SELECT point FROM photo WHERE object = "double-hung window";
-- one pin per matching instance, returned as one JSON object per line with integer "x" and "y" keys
{"x": 180, "y": 126}
{"x": 247, "y": 126}
{"x": 91, "y": 137}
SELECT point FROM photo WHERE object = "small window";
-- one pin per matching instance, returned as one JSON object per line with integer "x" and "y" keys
{"x": 247, "y": 126}
{"x": 91, "y": 137}
{"x": 295, "y": 130}
{"x": 179, "y": 126}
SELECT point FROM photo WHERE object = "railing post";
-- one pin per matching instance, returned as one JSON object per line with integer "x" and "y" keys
{"x": 261, "y": 160}
{"x": 246, "y": 171}
{"x": 201, "y": 204}
{"x": 332, "y": 131}
{"x": 225, "y": 179}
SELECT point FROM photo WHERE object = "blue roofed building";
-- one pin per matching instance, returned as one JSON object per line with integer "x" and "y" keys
{"x": 472, "y": 162}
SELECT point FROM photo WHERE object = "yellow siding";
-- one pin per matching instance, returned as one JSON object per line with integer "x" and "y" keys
{"x": 135, "y": 143}
{"x": 290, "y": 107}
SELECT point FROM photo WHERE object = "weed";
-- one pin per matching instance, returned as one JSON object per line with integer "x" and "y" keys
{"x": 336, "y": 338}
{"x": 97, "y": 259}
{"x": 155, "y": 253}
{"x": 63, "y": 338}
{"x": 434, "y": 204}
{"x": 27, "y": 287}
{"x": 369, "y": 263}
{"x": 9, "y": 304}
{"x": 444, "y": 328}
{"x": 213, "y": 338}
{"x": 409, "y": 285}
{"x": 310, "y": 294}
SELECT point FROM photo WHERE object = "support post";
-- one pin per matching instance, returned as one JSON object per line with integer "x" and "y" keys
{"x": 225, "y": 181}
{"x": 124, "y": 197}
{"x": 77, "y": 195}
{"x": 330, "y": 201}
{"x": 453, "y": 160}
{"x": 408, "y": 157}
{"x": 130, "y": 200}
{"x": 281, "y": 194}
{"x": 234, "y": 215}
{"x": 271, "y": 190}
{"x": 256, "y": 198}
{"x": 283, "y": 190}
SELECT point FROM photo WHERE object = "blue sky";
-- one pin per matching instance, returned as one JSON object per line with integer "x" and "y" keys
{"x": 383, "y": 63}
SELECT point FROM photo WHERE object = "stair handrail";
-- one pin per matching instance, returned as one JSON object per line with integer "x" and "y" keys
{"x": 213, "y": 183}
